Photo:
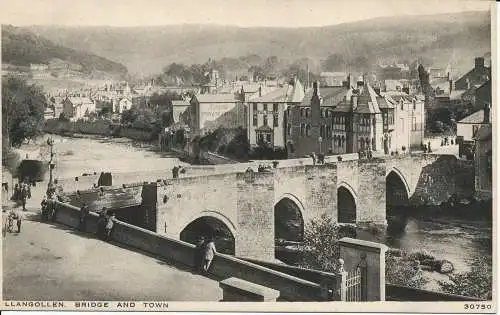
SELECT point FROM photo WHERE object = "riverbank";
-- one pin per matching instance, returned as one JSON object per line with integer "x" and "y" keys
{"x": 98, "y": 127}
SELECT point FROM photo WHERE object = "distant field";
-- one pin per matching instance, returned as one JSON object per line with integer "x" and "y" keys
{"x": 52, "y": 84}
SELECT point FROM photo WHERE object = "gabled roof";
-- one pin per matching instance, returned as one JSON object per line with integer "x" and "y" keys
{"x": 367, "y": 101}
{"x": 329, "y": 96}
{"x": 76, "y": 101}
{"x": 474, "y": 118}
{"x": 287, "y": 94}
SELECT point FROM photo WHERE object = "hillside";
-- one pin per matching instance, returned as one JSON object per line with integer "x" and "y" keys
{"x": 437, "y": 39}
{"x": 20, "y": 48}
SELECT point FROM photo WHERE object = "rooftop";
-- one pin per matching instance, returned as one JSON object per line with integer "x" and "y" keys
{"x": 216, "y": 98}
{"x": 475, "y": 118}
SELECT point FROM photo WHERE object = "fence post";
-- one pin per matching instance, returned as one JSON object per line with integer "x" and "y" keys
{"x": 370, "y": 258}
{"x": 333, "y": 288}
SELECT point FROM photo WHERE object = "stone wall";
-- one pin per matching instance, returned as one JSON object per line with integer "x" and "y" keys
{"x": 441, "y": 177}
{"x": 255, "y": 215}
{"x": 371, "y": 206}
{"x": 182, "y": 254}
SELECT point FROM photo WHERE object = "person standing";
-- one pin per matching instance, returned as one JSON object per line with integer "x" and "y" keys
{"x": 209, "y": 254}
{"x": 84, "y": 212}
{"x": 198, "y": 254}
{"x": 101, "y": 223}
{"x": 24, "y": 195}
{"x": 109, "y": 226}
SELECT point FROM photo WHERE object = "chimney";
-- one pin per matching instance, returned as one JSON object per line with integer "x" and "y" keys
{"x": 479, "y": 63}
{"x": 486, "y": 119}
{"x": 315, "y": 111}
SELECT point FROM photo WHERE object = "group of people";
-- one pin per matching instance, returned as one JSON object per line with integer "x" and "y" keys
{"x": 105, "y": 224}
{"x": 21, "y": 193}
{"x": 176, "y": 170}
{"x": 318, "y": 159}
{"x": 204, "y": 253}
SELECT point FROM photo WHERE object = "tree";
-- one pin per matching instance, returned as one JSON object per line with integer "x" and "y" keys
{"x": 334, "y": 62}
{"x": 322, "y": 251}
{"x": 476, "y": 283}
{"x": 23, "y": 107}
{"x": 320, "y": 244}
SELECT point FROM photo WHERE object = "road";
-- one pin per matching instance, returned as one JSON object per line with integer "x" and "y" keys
{"x": 51, "y": 262}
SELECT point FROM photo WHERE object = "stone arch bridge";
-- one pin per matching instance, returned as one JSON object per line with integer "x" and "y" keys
{"x": 356, "y": 191}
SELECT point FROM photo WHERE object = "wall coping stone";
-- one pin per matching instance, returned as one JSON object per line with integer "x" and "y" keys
{"x": 369, "y": 246}
{"x": 249, "y": 288}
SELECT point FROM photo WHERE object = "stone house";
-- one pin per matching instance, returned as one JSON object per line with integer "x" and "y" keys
{"x": 483, "y": 162}
{"x": 76, "y": 108}
{"x": 468, "y": 127}
{"x": 268, "y": 115}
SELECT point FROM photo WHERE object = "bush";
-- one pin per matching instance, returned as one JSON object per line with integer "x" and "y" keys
{"x": 476, "y": 283}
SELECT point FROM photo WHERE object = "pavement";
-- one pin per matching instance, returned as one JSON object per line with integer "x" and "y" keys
{"x": 51, "y": 262}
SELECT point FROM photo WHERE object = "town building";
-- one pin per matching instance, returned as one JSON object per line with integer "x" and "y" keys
{"x": 355, "y": 118}
{"x": 211, "y": 111}
{"x": 267, "y": 115}
{"x": 75, "y": 108}
{"x": 477, "y": 76}
{"x": 122, "y": 104}
{"x": 467, "y": 129}
{"x": 483, "y": 162}
{"x": 179, "y": 107}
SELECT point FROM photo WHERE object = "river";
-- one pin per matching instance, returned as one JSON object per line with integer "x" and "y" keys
{"x": 459, "y": 241}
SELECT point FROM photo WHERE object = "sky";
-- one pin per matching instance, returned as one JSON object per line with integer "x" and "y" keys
{"x": 244, "y": 13}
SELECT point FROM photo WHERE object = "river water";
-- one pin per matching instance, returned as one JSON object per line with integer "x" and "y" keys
{"x": 459, "y": 241}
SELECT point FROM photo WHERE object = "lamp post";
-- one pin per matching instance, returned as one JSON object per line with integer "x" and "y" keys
{"x": 50, "y": 142}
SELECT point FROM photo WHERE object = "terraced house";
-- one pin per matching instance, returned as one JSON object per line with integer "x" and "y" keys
{"x": 354, "y": 118}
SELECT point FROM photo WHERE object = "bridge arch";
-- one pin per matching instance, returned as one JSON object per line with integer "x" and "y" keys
{"x": 397, "y": 189}
{"x": 289, "y": 218}
{"x": 346, "y": 203}
{"x": 211, "y": 224}
{"x": 402, "y": 177}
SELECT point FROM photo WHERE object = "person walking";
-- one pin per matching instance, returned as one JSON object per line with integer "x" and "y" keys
{"x": 209, "y": 253}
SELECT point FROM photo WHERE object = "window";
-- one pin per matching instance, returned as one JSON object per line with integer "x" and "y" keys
{"x": 265, "y": 120}
{"x": 302, "y": 110}
{"x": 414, "y": 123}
{"x": 275, "y": 119}
{"x": 265, "y": 107}
{"x": 322, "y": 113}
{"x": 289, "y": 129}
{"x": 288, "y": 112}
{"x": 254, "y": 107}
{"x": 308, "y": 130}
{"x": 308, "y": 112}
{"x": 275, "y": 107}
{"x": 328, "y": 131}
{"x": 322, "y": 131}
{"x": 302, "y": 129}
{"x": 475, "y": 128}
{"x": 268, "y": 137}
{"x": 255, "y": 120}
